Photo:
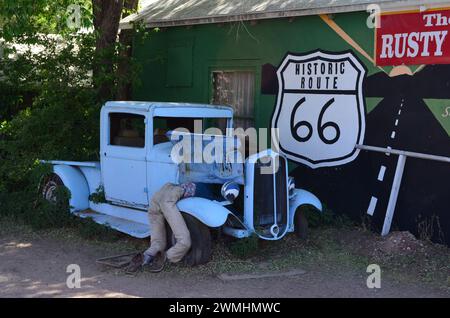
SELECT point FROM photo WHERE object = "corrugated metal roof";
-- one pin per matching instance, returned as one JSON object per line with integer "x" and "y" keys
{"x": 159, "y": 13}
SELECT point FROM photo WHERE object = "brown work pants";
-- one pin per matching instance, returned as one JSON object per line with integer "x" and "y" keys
{"x": 163, "y": 207}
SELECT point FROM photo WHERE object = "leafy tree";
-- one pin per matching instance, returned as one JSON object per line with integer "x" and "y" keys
{"x": 53, "y": 81}
{"x": 106, "y": 17}
{"x": 24, "y": 21}
{"x": 32, "y": 23}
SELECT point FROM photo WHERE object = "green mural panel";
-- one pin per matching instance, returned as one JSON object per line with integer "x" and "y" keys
{"x": 441, "y": 110}
{"x": 372, "y": 102}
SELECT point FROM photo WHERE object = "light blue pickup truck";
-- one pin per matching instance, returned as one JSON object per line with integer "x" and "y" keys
{"x": 136, "y": 159}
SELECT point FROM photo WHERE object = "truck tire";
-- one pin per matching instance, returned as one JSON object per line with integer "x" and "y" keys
{"x": 200, "y": 252}
{"x": 49, "y": 187}
{"x": 301, "y": 224}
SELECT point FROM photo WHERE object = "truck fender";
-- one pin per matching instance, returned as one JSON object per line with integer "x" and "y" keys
{"x": 74, "y": 180}
{"x": 302, "y": 197}
{"x": 208, "y": 212}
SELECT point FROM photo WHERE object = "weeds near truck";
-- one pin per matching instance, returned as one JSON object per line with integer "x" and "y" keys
{"x": 28, "y": 207}
{"x": 325, "y": 218}
{"x": 98, "y": 196}
{"x": 245, "y": 247}
{"x": 427, "y": 226}
{"x": 88, "y": 229}
{"x": 44, "y": 216}
{"x": 51, "y": 215}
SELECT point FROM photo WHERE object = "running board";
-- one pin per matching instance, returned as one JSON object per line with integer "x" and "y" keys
{"x": 132, "y": 228}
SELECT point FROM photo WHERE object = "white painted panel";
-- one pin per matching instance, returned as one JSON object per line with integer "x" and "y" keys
{"x": 125, "y": 180}
{"x": 158, "y": 174}
{"x": 93, "y": 177}
{"x": 381, "y": 173}
{"x": 133, "y": 215}
{"x": 372, "y": 205}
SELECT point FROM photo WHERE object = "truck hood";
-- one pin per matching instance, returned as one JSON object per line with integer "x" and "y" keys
{"x": 199, "y": 172}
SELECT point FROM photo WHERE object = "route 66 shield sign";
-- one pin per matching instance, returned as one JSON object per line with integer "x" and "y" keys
{"x": 320, "y": 111}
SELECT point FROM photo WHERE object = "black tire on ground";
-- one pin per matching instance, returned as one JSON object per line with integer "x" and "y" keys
{"x": 200, "y": 252}
{"x": 49, "y": 187}
{"x": 301, "y": 224}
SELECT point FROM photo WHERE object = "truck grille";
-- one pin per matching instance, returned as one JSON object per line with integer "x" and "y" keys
{"x": 270, "y": 205}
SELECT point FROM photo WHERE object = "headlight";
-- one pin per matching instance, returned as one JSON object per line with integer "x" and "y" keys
{"x": 230, "y": 191}
{"x": 291, "y": 185}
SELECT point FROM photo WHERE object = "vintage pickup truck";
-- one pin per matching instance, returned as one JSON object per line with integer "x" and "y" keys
{"x": 136, "y": 160}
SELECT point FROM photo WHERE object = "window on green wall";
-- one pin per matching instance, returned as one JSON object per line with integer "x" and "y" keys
{"x": 236, "y": 89}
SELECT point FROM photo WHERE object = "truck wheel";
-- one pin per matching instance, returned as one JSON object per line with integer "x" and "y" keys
{"x": 200, "y": 252}
{"x": 49, "y": 187}
{"x": 301, "y": 224}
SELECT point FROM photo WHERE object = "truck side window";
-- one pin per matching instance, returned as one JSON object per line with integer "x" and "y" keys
{"x": 127, "y": 130}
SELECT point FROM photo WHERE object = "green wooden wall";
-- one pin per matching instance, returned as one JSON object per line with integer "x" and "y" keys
{"x": 177, "y": 61}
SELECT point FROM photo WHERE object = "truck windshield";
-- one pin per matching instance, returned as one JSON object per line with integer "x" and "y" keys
{"x": 162, "y": 125}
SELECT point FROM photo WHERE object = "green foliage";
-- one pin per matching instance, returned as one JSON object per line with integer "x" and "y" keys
{"x": 245, "y": 247}
{"x": 22, "y": 20}
{"x": 49, "y": 105}
{"x": 326, "y": 218}
{"x": 88, "y": 229}
{"x": 27, "y": 204}
{"x": 61, "y": 121}
{"x": 64, "y": 126}
{"x": 98, "y": 196}
{"x": 13, "y": 99}
{"x": 51, "y": 215}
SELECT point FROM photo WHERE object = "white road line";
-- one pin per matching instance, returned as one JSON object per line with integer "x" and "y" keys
{"x": 393, "y": 135}
{"x": 400, "y": 111}
{"x": 396, "y": 122}
{"x": 372, "y": 206}
{"x": 381, "y": 173}
{"x": 388, "y": 153}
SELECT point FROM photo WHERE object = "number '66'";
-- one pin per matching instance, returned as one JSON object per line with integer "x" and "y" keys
{"x": 320, "y": 125}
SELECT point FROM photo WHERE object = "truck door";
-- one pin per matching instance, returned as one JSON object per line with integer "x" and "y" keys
{"x": 123, "y": 158}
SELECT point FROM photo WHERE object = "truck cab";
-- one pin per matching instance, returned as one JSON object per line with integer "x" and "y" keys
{"x": 137, "y": 157}
{"x": 135, "y": 152}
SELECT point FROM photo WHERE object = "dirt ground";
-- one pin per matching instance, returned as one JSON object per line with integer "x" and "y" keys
{"x": 34, "y": 264}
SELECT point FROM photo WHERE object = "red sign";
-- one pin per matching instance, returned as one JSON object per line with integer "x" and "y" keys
{"x": 413, "y": 38}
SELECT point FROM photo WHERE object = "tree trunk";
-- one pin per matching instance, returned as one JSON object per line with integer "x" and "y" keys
{"x": 124, "y": 72}
{"x": 107, "y": 14}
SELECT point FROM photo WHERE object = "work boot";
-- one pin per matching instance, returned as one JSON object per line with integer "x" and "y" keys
{"x": 157, "y": 264}
{"x": 147, "y": 260}
{"x": 135, "y": 264}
